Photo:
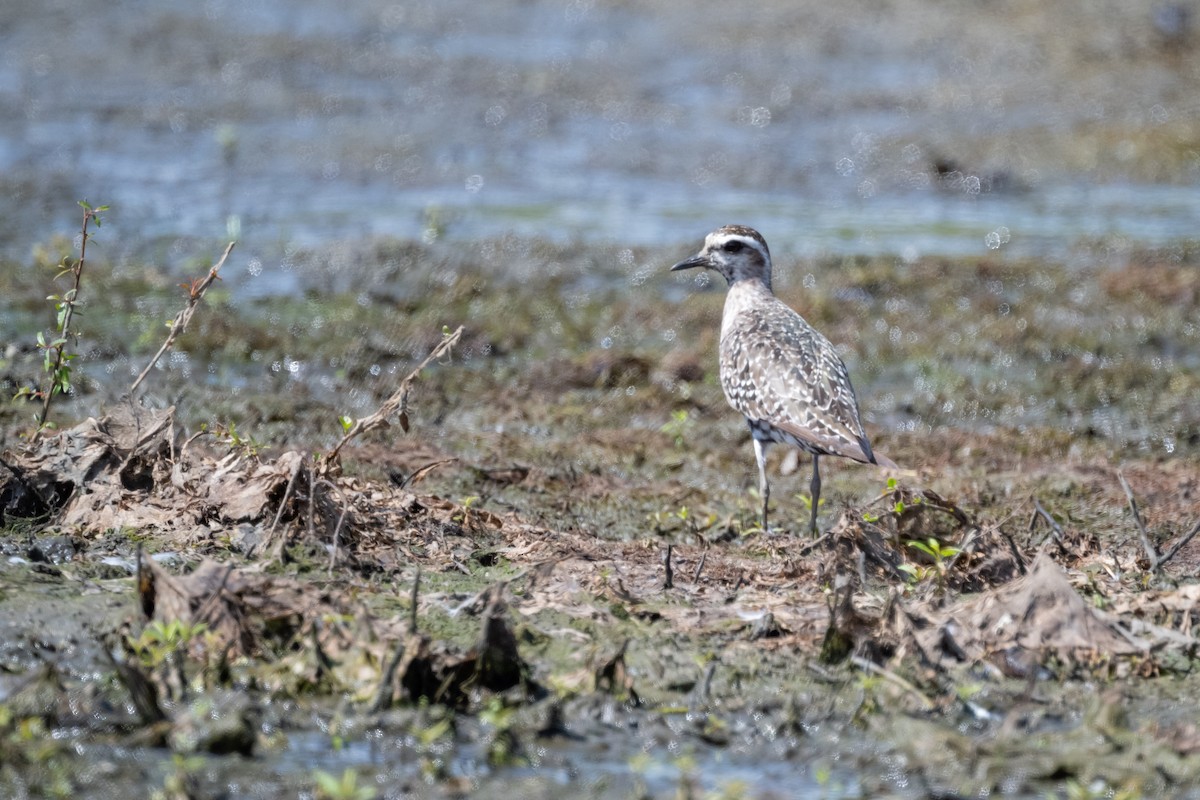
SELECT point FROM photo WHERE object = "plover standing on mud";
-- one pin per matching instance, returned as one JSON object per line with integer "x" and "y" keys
{"x": 784, "y": 376}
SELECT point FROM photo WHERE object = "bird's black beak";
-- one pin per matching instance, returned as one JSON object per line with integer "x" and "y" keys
{"x": 698, "y": 260}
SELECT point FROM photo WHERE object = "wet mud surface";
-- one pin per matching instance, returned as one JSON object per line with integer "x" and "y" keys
{"x": 479, "y": 605}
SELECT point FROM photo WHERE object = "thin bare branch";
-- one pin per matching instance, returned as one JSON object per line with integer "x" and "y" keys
{"x": 1175, "y": 548}
{"x": 398, "y": 402}
{"x": 287, "y": 493}
{"x": 337, "y": 532}
{"x": 187, "y": 442}
{"x": 1151, "y": 553}
{"x": 179, "y": 325}
{"x": 812, "y": 545}
{"x": 55, "y": 366}
{"x": 1055, "y": 529}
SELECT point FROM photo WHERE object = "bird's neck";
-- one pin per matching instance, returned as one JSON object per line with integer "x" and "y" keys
{"x": 737, "y": 279}
{"x": 743, "y": 295}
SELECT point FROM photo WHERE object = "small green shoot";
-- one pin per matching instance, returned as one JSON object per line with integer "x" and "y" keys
{"x": 932, "y": 547}
{"x": 679, "y": 426}
{"x": 330, "y": 787}
{"x": 503, "y": 749}
{"x": 56, "y": 361}
{"x": 941, "y": 555}
{"x": 806, "y": 501}
{"x": 159, "y": 640}
{"x": 429, "y": 734}
{"x": 466, "y": 502}
{"x": 229, "y": 435}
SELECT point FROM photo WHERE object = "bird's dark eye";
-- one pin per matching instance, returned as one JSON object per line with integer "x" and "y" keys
{"x": 732, "y": 247}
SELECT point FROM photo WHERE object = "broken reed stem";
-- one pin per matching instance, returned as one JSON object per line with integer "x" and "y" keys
{"x": 336, "y": 533}
{"x": 416, "y": 596}
{"x": 700, "y": 566}
{"x": 398, "y": 402}
{"x": 1151, "y": 553}
{"x": 179, "y": 325}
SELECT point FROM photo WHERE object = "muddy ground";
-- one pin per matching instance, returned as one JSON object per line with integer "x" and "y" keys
{"x": 198, "y": 601}
{"x": 549, "y": 580}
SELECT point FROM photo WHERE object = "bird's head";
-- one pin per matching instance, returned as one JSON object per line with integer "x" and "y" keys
{"x": 736, "y": 252}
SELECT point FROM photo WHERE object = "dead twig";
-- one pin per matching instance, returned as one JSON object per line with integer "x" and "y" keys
{"x": 422, "y": 472}
{"x": 965, "y": 548}
{"x": 1151, "y": 552}
{"x": 700, "y": 566}
{"x": 416, "y": 593}
{"x": 196, "y": 292}
{"x": 1175, "y": 548}
{"x": 809, "y": 547}
{"x": 1014, "y": 551}
{"x": 287, "y": 494}
{"x": 188, "y": 442}
{"x": 1055, "y": 529}
{"x": 337, "y": 529}
{"x": 396, "y": 404}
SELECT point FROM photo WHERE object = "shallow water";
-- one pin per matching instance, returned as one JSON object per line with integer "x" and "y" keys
{"x": 290, "y": 127}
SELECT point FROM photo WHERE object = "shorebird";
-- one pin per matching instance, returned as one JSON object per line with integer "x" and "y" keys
{"x": 779, "y": 371}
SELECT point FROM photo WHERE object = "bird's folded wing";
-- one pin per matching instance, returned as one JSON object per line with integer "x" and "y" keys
{"x": 799, "y": 385}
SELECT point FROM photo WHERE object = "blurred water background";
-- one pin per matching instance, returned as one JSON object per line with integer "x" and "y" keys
{"x": 908, "y": 127}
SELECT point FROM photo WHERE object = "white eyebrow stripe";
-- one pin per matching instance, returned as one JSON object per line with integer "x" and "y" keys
{"x": 738, "y": 237}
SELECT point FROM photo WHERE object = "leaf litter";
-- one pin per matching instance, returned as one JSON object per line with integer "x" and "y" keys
{"x": 125, "y": 470}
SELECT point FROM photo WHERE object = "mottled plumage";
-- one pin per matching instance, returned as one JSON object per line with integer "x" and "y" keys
{"x": 776, "y": 369}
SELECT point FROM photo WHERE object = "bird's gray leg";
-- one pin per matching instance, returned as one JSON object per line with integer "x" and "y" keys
{"x": 764, "y": 488}
{"x": 815, "y": 490}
